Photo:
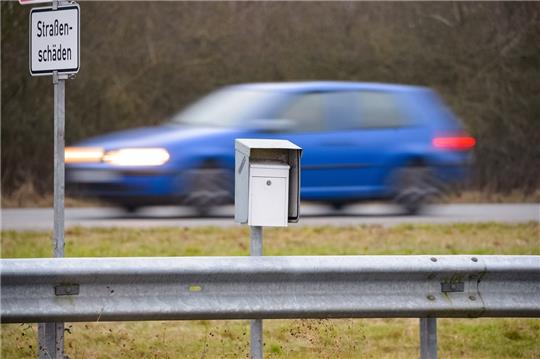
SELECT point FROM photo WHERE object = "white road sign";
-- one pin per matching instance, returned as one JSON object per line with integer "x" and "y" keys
{"x": 54, "y": 40}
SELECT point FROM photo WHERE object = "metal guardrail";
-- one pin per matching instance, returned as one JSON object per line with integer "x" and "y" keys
{"x": 119, "y": 289}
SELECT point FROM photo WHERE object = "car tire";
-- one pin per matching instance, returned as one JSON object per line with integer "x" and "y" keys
{"x": 130, "y": 209}
{"x": 337, "y": 206}
{"x": 414, "y": 187}
{"x": 209, "y": 186}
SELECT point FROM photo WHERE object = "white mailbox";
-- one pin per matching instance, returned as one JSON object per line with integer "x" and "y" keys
{"x": 267, "y": 182}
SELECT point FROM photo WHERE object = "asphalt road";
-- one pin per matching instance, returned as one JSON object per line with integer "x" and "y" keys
{"x": 386, "y": 215}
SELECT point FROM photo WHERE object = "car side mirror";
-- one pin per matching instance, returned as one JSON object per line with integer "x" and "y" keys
{"x": 271, "y": 125}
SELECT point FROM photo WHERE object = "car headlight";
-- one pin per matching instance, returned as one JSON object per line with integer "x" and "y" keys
{"x": 136, "y": 157}
{"x": 83, "y": 154}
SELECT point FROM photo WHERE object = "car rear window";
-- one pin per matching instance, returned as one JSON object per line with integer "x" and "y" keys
{"x": 364, "y": 109}
{"x": 380, "y": 109}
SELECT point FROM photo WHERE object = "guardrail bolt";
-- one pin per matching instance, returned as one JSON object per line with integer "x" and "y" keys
{"x": 472, "y": 297}
{"x": 431, "y": 297}
{"x": 433, "y": 259}
{"x": 474, "y": 259}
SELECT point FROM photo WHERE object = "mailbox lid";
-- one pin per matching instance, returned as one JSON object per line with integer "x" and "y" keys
{"x": 245, "y": 145}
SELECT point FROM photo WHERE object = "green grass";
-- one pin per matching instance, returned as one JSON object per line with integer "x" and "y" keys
{"x": 484, "y": 238}
{"x": 343, "y": 338}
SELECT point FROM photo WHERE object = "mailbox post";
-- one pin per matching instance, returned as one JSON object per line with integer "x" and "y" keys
{"x": 266, "y": 194}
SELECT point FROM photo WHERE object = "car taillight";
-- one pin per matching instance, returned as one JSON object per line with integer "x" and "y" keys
{"x": 456, "y": 143}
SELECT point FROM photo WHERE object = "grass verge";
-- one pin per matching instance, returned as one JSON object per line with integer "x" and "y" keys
{"x": 344, "y": 338}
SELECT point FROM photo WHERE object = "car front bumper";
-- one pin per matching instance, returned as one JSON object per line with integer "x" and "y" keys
{"x": 144, "y": 187}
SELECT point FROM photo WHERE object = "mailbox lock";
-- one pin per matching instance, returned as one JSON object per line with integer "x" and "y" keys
{"x": 268, "y": 182}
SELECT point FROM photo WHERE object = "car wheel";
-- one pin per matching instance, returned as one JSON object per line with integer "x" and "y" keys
{"x": 129, "y": 208}
{"x": 209, "y": 186}
{"x": 337, "y": 206}
{"x": 414, "y": 187}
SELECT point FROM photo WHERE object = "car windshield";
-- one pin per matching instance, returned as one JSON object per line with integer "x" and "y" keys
{"x": 227, "y": 108}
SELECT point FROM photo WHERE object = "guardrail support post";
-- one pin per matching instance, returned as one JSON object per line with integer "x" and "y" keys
{"x": 256, "y": 325}
{"x": 428, "y": 338}
{"x": 51, "y": 340}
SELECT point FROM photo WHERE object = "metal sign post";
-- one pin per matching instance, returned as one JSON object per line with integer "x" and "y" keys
{"x": 59, "y": 83}
{"x": 54, "y": 50}
{"x": 51, "y": 335}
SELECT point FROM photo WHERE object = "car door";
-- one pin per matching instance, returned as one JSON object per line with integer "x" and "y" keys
{"x": 349, "y": 139}
{"x": 328, "y": 166}
{"x": 384, "y": 132}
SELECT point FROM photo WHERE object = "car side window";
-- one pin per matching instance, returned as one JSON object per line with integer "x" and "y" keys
{"x": 306, "y": 111}
{"x": 380, "y": 109}
{"x": 343, "y": 112}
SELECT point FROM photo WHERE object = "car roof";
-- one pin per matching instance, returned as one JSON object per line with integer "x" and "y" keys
{"x": 308, "y": 86}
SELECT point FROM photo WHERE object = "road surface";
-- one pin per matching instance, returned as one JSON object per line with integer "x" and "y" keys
{"x": 386, "y": 215}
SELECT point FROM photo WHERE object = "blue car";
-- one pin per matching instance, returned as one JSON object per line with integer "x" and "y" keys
{"x": 361, "y": 141}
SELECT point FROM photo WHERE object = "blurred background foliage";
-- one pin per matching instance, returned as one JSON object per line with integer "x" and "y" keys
{"x": 143, "y": 61}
